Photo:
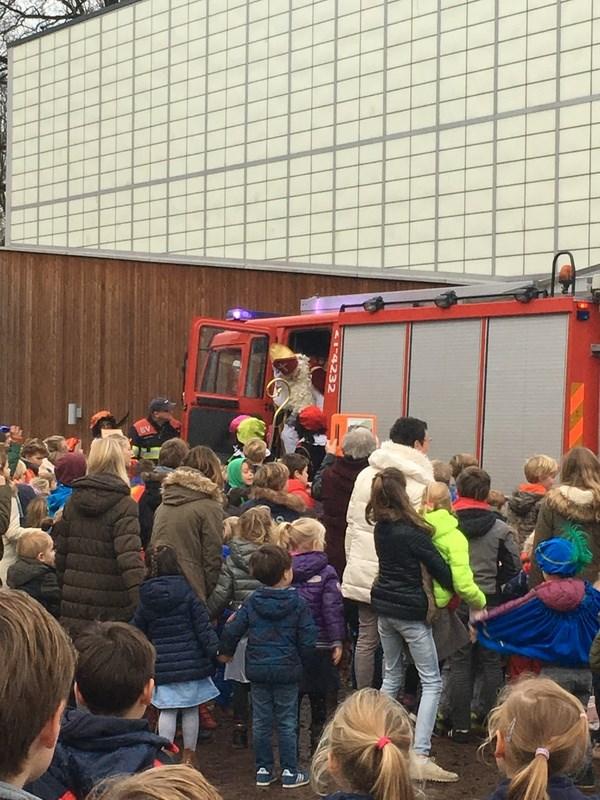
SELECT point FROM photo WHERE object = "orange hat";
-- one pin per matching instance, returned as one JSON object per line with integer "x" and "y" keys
{"x": 100, "y": 415}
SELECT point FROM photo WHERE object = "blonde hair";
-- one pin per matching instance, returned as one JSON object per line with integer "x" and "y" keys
{"x": 442, "y": 472}
{"x": 537, "y": 713}
{"x": 229, "y": 528}
{"x": 301, "y": 534}
{"x": 108, "y": 456}
{"x": 368, "y": 743}
{"x": 40, "y": 485}
{"x": 171, "y": 782}
{"x": 255, "y": 451}
{"x": 461, "y": 461}
{"x": 437, "y": 495}
{"x": 538, "y": 468}
{"x": 256, "y": 525}
{"x": 271, "y": 476}
{"x": 30, "y": 545}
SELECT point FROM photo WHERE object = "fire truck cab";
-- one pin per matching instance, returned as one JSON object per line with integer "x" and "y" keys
{"x": 500, "y": 370}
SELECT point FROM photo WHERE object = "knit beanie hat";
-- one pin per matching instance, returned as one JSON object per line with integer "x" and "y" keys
{"x": 234, "y": 473}
{"x": 565, "y": 556}
{"x": 70, "y": 467}
{"x": 235, "y": 422}
{"x": 251, "y": 428}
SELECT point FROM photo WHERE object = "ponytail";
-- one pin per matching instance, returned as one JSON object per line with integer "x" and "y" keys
{"x": 283, "y": 535}
{"x": 531, "y": 782}
{"x": 392, "y": 774}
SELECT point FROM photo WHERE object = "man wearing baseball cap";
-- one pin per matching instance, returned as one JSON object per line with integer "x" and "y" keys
{"x": 149, "y": 433}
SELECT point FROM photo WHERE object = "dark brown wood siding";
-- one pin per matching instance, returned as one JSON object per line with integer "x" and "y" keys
{"x": 107, "y": 333}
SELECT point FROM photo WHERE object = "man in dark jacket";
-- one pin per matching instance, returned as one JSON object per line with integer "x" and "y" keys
{"x": 494, "y": 559}
{"x": 149, "y": 433}
{"x": 106, "y": 736}
{"x": 281, "y": 636}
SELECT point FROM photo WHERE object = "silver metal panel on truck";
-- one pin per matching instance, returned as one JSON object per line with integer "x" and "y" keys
{"x": 525, "y": 394}
{"x": 444, "y": 382}
{"x": 373, "y": 372}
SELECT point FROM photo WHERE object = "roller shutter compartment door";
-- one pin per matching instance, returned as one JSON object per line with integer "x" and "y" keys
{"x": 524, "y": 400}
{"x": 444, "y": 383}
{"x": 373, "y": 373}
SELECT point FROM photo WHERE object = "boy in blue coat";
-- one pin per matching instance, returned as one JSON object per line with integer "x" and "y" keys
{"x": 106, "y": 734}
{"x": 281, "y": 637}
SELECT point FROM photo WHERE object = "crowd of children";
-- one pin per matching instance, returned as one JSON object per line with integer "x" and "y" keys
{"x": 483, "y": 607}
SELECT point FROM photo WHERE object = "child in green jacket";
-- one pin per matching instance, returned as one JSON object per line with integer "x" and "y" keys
{"x": 453, "y": 547}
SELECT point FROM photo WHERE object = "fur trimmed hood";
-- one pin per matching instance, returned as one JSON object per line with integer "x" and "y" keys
{"x": 184, "y": 484}
{"x": 575, "y": 504}
{"x": 278, "y": 498}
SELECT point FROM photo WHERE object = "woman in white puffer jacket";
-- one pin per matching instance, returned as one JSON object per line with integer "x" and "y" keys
{"x": 407, "y": 451}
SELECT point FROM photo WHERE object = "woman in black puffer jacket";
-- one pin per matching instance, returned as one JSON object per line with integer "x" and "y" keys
{"x": 252, "y": 529}
{"x": 178, "y": 625}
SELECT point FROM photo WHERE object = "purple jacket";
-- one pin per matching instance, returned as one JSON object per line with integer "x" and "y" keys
{"x": 317, "y": 582}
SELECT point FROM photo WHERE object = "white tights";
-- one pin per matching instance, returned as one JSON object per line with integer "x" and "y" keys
{"x": 190, "y": 725}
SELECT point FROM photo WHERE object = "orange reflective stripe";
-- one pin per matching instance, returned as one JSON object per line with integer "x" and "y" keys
{"x": 576, "y": 401}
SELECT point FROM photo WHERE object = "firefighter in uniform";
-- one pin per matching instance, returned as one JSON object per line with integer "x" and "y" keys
{"x": 148, "y": 434}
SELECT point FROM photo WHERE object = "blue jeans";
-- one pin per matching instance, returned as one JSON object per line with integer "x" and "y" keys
{"x": 279, "y": 704}
{"x": 418, "y": 636}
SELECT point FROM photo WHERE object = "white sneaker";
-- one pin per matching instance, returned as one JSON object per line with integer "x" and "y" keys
{"x": 423, "y": 768}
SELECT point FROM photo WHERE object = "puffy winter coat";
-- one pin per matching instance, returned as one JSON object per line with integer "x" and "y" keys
{"x": 281, "y": 635}
{"x": 318, "y": 583}
{"x": 453, "y": 547}
{"x": 336, "y": 483}
{"x": 493, "y": 551}
{"x": 98, "y": 553}
{"x": 190, "y": 520}
{"x": 523, "y": 508}
{"x": 177, "y": 624}
{"x": 362, "y": 565}
{"x": 93, "y": 747}
{"x": 398, "y": 589}
{"x": 301, "y": 490}
{"x": 235, "y": 583}
{"x": 38, "y": 580}
{"x": 284, "y": 507}
{"x": 564, "y": 506}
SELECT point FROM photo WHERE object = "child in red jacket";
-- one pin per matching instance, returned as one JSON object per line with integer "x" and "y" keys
{"x": 298, "y": 480}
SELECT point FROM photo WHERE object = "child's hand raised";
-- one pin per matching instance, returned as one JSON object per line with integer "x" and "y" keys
{"x": 336, "y": 654}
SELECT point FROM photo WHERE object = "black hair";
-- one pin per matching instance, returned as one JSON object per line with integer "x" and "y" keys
{"x": 408, "y": 430}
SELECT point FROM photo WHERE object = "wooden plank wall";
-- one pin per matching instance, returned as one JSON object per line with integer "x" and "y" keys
{"x": 106, "y": 333}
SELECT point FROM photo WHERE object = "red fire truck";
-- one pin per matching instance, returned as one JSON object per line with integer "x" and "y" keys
{"x": 502, "y": 370}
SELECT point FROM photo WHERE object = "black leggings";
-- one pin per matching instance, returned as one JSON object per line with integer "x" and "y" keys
{"x": 241, "y": 702}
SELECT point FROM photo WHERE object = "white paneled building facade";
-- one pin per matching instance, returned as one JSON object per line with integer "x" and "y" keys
{"x": 370, "y": 137}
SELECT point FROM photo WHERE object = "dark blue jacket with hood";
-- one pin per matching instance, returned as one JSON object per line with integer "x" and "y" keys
{"x": 281, "y": 635}
{"x": 92, "y": 747}
{"x": 177, "y": 624}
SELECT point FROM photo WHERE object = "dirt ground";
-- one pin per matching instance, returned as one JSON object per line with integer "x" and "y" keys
{"x": 232, "y": 771}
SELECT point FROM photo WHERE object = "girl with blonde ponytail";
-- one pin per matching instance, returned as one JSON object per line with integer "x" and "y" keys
{"x": 541, "y": 736}
{"x": 365, "y": 750}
